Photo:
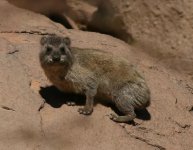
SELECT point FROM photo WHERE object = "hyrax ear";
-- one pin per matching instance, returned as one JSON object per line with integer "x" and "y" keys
{"x": 43, "y": 40}
{"x": 67, "y": 41}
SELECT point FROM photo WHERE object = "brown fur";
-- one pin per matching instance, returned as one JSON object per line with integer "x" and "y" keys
{"x": 96, "y": 73}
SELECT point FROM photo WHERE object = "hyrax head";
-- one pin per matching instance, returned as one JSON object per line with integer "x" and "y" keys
{"x": 55, "y": 50}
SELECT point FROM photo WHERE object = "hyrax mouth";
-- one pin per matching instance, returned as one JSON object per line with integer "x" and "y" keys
{"x": 56, "y": 61}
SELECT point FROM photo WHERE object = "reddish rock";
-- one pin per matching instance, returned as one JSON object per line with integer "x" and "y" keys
{"x": 28, "y": 124}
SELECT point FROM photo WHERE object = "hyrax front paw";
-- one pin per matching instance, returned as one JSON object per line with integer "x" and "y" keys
{"x": 85, "y": 110}
{"x": 69, "y": 103}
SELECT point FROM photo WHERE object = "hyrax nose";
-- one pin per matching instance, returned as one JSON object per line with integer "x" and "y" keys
{"x": 56, "y": 57}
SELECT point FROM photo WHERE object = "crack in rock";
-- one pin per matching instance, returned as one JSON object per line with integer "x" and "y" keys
{"x": 7, "y": 108}
{"x": 41, "y": 119}
{"x": 12, "y": 52}
{"x": 28, "y": 32}
{"x": 41, "y": 106}
{"x": 145, "y": 141}
{"x": 145, "y": 130}
{"x": 185, "y": 126}
{"x": 41, "y": 125}
{"x": 181, "y": 125}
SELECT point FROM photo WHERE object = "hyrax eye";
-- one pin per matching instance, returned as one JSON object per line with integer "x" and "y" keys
{"x": 48, "y": 49}
{"x": 62, "y": 50}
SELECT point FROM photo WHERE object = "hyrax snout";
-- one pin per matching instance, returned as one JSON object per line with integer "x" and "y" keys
{"x": 94, "y": 73}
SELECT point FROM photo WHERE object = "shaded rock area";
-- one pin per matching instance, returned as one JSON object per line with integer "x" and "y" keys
{"x": 72, "y": 14}
{"x": 163, "y": 29}
{"x": 33, "y": 113}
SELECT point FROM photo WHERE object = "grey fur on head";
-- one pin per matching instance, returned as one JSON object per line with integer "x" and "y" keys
{"x": 55, "y": 50}
{"x": 53, "y": 39}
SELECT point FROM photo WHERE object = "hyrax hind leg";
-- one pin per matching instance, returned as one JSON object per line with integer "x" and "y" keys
{"x": 124, "y": 105}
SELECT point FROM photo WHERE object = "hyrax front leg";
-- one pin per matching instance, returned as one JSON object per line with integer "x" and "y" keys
{"x": 88, "y": 108}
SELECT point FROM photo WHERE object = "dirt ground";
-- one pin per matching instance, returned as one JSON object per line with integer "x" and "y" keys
{"x": 27, "y": 123}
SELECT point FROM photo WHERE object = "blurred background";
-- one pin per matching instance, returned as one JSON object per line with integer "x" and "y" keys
{"x": 163, "y": 29}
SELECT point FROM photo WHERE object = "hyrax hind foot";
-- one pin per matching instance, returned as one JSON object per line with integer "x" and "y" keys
{"x": 122, "y": 119}
{"x": 85, "y": 110}
{"x": 124, "y": 106}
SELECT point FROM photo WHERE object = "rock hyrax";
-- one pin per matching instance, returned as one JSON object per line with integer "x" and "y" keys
{"x": 94, "y": 73}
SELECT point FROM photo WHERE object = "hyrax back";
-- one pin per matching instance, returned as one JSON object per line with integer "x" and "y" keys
{"x": 94, "y": 73}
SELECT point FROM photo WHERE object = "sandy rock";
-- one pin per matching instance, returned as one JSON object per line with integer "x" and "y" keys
{"x": 66, "y": 11}
{"x": 80, "y": 11}
{"x": 28, "y": 124}
{"x": 25, "y": 22}
{"x": 41, "y": 6}
{"x": 162, "y": 29}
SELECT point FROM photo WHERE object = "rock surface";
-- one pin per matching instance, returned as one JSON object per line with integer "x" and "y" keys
{"x": 28, "y": 124}
{"x": 79, "y": 11}
{"x": 163, "y": 29}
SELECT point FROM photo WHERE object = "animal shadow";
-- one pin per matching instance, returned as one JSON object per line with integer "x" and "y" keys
{"x": 142, "y": 114}
{"x": 56, "y": 98}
